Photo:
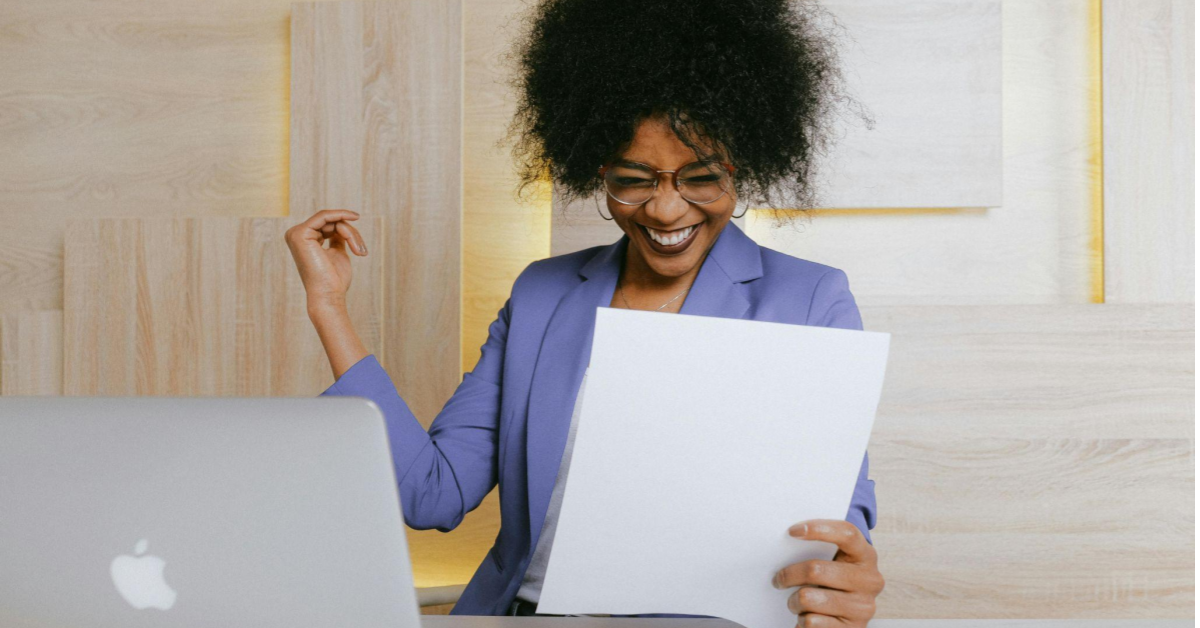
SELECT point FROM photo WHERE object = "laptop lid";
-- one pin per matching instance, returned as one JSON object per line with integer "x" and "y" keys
{"x": 157, "y": 511}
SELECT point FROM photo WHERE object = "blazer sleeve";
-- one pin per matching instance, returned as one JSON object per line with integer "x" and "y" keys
{"x": 833, "y": 305}
{"x": 446, "y": 472}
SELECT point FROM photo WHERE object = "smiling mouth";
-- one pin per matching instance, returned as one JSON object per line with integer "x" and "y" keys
{"x": 669, "y": 242}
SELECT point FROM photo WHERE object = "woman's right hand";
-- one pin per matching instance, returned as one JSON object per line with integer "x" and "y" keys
{"x": 325, "y": 272}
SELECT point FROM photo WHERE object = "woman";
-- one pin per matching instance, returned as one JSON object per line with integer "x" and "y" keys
{"x": 673, "y": 111}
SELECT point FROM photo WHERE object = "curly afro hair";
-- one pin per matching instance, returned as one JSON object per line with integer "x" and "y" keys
{"x": 759, "y": 79}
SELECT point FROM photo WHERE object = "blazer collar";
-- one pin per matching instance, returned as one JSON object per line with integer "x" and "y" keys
{"x": 566, "y": 346}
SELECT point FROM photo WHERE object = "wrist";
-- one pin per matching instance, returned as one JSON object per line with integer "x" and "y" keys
{"x": 326, "y": 306}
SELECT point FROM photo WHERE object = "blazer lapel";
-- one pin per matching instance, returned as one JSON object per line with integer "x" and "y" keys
{"x": 567, "y": 345}
{"x": 717, "y": 291}
{"x": 563, "y": 357}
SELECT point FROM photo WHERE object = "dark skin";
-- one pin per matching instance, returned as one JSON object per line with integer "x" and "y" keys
{"x": 839, "y": 592}
{"x": 650, "y": 278}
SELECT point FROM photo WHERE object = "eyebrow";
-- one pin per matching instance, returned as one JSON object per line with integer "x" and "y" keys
{"x": 708, "y": 157}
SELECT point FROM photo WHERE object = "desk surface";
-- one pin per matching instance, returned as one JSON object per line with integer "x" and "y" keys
{"x": 467, "y": 621}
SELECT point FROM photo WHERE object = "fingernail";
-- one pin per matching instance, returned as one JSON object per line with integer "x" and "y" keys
{"x": 775, "y": 581}
{"x": 800, "y": 529}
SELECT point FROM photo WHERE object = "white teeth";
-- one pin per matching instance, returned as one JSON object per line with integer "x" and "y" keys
{"x": 670, "y": 238}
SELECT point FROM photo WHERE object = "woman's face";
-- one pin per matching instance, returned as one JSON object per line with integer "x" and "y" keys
{"x": 667, "y": 215}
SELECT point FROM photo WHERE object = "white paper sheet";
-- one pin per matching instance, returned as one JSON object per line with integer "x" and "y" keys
{"x": 700, "y": 441}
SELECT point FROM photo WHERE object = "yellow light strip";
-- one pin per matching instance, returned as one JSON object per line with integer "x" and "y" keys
{"x": 1096, "y": 156}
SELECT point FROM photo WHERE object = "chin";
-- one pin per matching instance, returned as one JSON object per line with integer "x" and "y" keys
{"x": 671, "y": 266}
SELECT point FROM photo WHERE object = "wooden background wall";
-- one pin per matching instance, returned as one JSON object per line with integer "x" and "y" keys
{"x": 1034, "y": 455}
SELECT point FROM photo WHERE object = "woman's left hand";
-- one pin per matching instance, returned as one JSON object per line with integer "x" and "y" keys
{"x": 839, "y": 592}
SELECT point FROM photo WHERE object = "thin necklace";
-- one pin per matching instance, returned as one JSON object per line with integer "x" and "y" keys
{"x": 621, "y": 289}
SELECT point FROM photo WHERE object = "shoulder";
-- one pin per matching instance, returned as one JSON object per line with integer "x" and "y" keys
{"x": 783, "y": 268}
{"x": 557, "y": 270}
{"x": 804, "y": 291}
{"x": 543, "y": 283}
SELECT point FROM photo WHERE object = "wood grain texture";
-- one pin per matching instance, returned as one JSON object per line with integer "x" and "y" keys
{"x": 930, "y": 73}
{"x": 376, "y": 126}
{"x": 501, "y": 234}
{"x": 199, "y": 306}
{"x": 31, "y": 353}
{"x": 1037, "y": 248}
{"x": 1036, "y": 461}
{"x": 1108, "y": 371}
{"x": 376, "y": 121}
{"x": 1149, "y": 151}
{"x": 124, "y": 108}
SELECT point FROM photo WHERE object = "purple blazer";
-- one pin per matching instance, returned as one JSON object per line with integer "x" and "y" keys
{"x": 507, "y": 421}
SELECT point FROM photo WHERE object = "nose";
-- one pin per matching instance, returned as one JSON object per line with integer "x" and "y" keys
{"x": 666, "y": 205}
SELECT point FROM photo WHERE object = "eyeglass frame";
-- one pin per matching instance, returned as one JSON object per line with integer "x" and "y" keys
{"x": 674, "y": 178}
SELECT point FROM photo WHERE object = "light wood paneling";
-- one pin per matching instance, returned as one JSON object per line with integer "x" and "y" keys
{"x": 501, "y": 235}
{"x": 31, "y": 353}
{"x": 1149, "y": 151}
{"x": 1038, "y": 247}
{"x": 929, "y": 73}
{"x": 122, "y": 108}
{"x": 128, "y": 108}
{"x": 1036, "y": 461}
{"x": 376, "y": 123}
{"x": 1056, "y": 371}
{"x": 192, "y": 306}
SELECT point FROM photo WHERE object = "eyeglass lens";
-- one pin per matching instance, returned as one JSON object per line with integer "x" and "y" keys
{"x": 699, "y": 182}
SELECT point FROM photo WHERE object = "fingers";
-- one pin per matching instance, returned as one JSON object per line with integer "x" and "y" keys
{"x": 845, "y": 535}
{"x": 329, "y": 224}
{"x": 834, "y": 604}
{"x": 326, "y": 216}
{"x": 831, "y": 574}
{"x": 351, "y": 235}
{"x": 821, "y": 573}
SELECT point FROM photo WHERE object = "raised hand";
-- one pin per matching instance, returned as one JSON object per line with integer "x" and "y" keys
{"x": 325, "y": 272}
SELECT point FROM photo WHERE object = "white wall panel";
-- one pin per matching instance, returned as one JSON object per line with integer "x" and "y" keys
{"x": 1149, "y": 151}
{"x": 1039, "y": 247}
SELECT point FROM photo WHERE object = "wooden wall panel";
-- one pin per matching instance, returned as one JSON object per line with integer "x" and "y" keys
{"x": 31, "y": 353}
{"x": 124, "y": 108}
{"x": 192, "y": 306}
{"x": 1149, "y": 151}
{"x": 929, "y": 72}
{"x": 1036, "y": 461}
{"x": 376, "y": 123}
{"x": 501, "y": 235}
{"x": 1038, "y": 247}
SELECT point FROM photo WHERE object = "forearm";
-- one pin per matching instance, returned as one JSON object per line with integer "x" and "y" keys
{"x": 341, "y": 342}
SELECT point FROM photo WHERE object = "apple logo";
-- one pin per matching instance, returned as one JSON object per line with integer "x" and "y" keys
{"x": 140, "y": 579}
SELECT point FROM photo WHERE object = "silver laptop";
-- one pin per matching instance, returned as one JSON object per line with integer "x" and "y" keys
{"x": 200, "y": 512}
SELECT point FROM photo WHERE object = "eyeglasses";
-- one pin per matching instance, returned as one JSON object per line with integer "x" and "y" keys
{"x": 700, "y": 182}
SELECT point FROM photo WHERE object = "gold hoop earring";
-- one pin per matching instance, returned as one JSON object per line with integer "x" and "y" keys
{"x": 743, "y": 212}
{"x": 601, "y": 212}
